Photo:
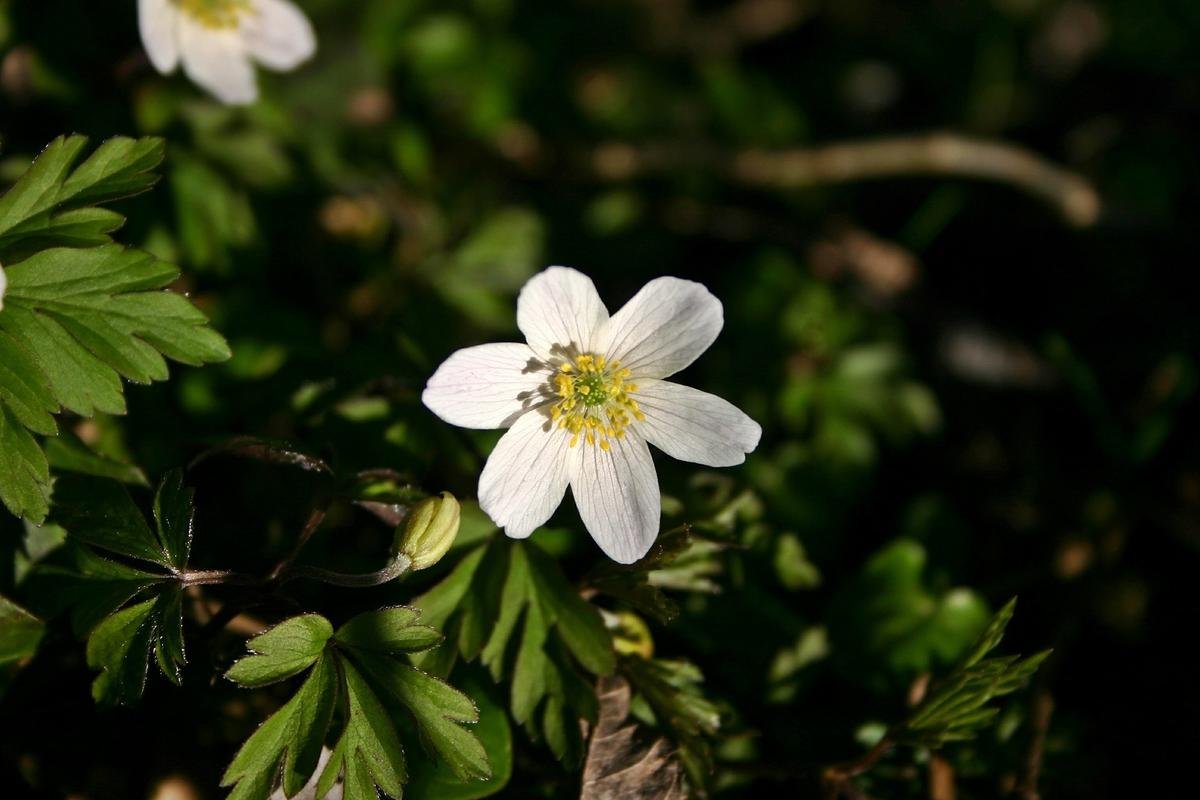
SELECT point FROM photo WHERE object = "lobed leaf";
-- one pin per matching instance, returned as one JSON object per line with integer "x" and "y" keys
{"x": 388, "y": 630}
{"x": 285, "y": 650}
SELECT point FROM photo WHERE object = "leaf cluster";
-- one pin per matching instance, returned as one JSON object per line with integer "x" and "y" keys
{"x": 356, "y": 681}
{"x": 115, "y": 557}
{"x": 509, "y": 605}
{"x": 958, "y": 708}
{"x": 80, "y": 312}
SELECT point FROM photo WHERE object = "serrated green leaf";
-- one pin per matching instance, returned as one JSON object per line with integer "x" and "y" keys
{"x": 577, "y": 622}
{"x": 388, "y": 630}
{"x": 368, "y": 753}
{"x": 289, "y": 741}
{"x": 168, "y": 643}
{"x": 285, "y": 650}
{"x": 101, "y": 513}
{"x": 23, "y": 387}
{"x": 119, "y": 647}
{"x": 439, "y": 709}
{"x": 436, "y": 781}
{"x": 481, "y": 604}
{"x": 24, "y": 472}
{"x": 173, "y": 514}
{"x": 76, "y": 318}
{"x": 80, "y": 383}
{"x": 20, "y": 632}
{"x": 957, "y": 708}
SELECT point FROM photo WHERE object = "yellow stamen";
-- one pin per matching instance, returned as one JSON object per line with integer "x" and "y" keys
{"x": 217, "y": 14}
{"x": 594, "y": 400}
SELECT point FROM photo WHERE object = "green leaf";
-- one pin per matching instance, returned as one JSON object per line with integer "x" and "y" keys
{"x": 20, "y": 632}
{"x": 957, "y": 708}
{"x": 481, "y": 603}
{"x": 119, "y": 647}
{"x": 672, "y": 690}
{"x": 290, "y": 740}
{"x": 76, "y": 318}
{"x": 24, "y": 472}
{"x": 388, "y": 630}
{"x": 168, "y": 643}
{"x": 173, "y": 514}
{"x": 368, "y": 754}
{"x": 101, "y": 513}
{"x": 23, "y": 388}
{"x": 436, "y": 781}
{"x": 41, "y": 200}
{"x": 888, "y": 616}
{"x": 578, "y": 622}
{"x": 285, "y": 650}
{"x": 439, "y": 709}
{"x": 67, "y": 454}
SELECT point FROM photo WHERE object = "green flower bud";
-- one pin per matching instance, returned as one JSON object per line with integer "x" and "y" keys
{"x": 430, "y": 530}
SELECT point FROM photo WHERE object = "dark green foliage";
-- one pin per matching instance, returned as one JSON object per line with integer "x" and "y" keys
{"x": 353, "y": 672}
{"x": 509, "y": 605}
{"x": 958, "y": 707}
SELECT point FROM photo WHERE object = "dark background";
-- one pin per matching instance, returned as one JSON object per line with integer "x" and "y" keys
{"x": 939, "y": 358}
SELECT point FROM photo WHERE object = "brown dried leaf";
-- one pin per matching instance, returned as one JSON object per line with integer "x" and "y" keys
{"x": 618, "y": 766}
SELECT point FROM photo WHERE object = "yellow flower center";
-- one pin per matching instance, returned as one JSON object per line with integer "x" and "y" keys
{"x": 594, "y": 400}
{"x": 217, "y": 14}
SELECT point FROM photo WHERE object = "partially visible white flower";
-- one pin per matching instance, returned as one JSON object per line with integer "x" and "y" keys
{"x": 582, "y": 399}
{"x": 3, "y": 286}
{"x": 309, "y": 792}
{"x": 218, "y": 41}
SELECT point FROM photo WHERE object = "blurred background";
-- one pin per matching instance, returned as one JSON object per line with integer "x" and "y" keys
{"x": 953, "y": 239}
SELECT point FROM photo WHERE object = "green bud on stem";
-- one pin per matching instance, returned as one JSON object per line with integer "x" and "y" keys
{"x": 430, "y": 530}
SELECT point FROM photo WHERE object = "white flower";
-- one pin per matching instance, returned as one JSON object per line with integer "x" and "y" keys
{"x": 3, "y": 286}
{"x": 582, "y": 399}
{"x": 218, "y": 41}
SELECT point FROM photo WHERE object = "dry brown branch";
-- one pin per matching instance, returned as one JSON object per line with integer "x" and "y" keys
{"x": 934, "y": 154}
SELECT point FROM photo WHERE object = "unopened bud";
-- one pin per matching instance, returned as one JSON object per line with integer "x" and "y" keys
{"x": 431, "y": 529}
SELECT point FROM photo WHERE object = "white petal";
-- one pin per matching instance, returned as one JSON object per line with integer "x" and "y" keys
{"x": 526, "y": 476}
{"x": 278, "y": 35}
{"x": 558, "y": 309}
{"x": 3, "y": 286}
{"x": 665, "y": 327}
{"x": 216, "y": 59}
{"x": 695, "y": 426}
{"x": 488, "y": 386}
{"x": 618, "y": 498}
{"x": 158, "y": 22}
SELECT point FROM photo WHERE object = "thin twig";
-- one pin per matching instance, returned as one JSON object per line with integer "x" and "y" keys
{"x": 837, "y": 779}
{"x": 315, "y": 518}
{"x": 942, "y": 154}
{"x": 1043, "y": 709}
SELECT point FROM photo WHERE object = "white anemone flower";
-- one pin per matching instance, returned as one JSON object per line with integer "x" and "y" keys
{"x": 218, "y": 41}
{"x": 582, "y": 399}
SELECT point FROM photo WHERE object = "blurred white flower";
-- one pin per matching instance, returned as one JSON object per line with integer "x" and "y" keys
{"x": 218, "y": 41}
{"x": 3, "y": 286}
{"x": 582, "y": 399}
